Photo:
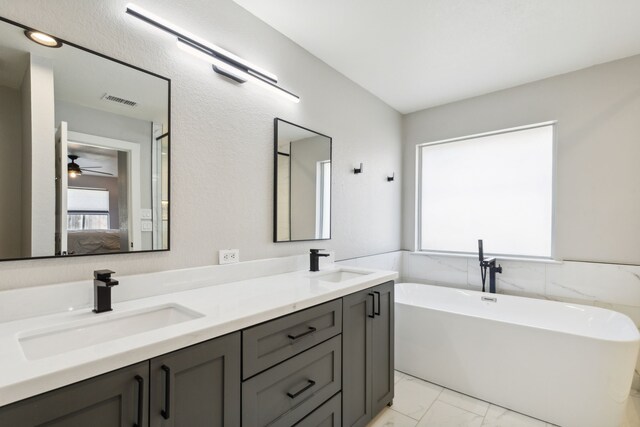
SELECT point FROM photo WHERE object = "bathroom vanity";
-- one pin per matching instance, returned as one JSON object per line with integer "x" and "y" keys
{"x": 298, "y": 348}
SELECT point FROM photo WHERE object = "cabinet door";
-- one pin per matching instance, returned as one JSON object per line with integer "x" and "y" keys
{"x": 356, "y": 338}
{"x": 116, "y": 399}
{"x": 198, "y": 385}
{"x": 383, "y": 349}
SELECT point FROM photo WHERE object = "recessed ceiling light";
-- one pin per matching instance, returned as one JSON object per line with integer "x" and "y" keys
{"x": 42, "y": 38}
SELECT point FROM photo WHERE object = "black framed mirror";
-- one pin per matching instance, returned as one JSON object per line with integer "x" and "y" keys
{"x": 84, "y": 150}
{"x": 302, "y": 195}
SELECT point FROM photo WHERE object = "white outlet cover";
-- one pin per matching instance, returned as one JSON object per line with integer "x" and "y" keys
{"x": 228, "y": 256}
{"x": 145, "y": 213}
{"x": 147, "y": 226}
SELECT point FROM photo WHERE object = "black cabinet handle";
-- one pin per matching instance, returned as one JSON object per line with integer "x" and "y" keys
{"x": 377, "y": 311}
{"x": 310, "y": 383}
{"x": 166, "y": 412}
{"x": 373, "y": 302}
{"x": 140, "y": 381}
{"x": 309, "y": 331}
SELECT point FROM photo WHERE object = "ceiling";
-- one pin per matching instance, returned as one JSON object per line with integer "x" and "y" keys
{"x": 416, "y": 54}
{"x": 102, "y": 159}
{"x": 83, "y": 78}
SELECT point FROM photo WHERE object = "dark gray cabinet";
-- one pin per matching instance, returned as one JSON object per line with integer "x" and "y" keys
{"x": 198, "y": 385}
{"x": 286, "y": 393}
{"x": 327, "y": 415}
{"x": 116, "y": 399}
{"x": 367, "y": 323}
{"x": 329, "y": 365}
{"x": 382, "y": 361}
{"x": 272, "y": 342}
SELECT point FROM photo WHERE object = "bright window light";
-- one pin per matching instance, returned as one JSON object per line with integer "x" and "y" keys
{"x": 497, "y": 187}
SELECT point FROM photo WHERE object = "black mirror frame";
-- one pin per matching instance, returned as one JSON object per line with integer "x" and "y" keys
{"x": 167, "y": 135}
{"x": 275, "y": 181}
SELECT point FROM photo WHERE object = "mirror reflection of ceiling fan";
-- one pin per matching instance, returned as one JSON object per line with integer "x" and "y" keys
{"x": 74, "y": 169}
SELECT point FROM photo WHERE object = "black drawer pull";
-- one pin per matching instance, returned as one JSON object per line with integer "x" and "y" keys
{"x": 373, "y": 303}
{"x": 309, "y": 331}
{"x": 166, "y": 412}
{"x": 377, "y": 311}
{"x": 310, "y": 384}
{"x": 140, "y": 381}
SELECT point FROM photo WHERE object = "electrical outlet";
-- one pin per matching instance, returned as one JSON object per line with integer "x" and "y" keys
{"x": 228, "y": 256}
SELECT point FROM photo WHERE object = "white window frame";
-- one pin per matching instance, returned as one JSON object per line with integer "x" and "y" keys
{"x": 418, "y": 195}
{"x": 85, "y": 212}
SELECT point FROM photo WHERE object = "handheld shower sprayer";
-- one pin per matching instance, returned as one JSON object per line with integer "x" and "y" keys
{"x": 489, "y": 263}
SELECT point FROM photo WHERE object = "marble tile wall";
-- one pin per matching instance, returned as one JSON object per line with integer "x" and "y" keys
{"x": 616, "y": 287}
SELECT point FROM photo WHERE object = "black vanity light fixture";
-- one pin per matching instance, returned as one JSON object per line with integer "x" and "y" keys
{"x": 223, "y": 62}
{"x": 42, "y": 38}
{"x": 391, "y": 178}
{"x": 358, "y": 170}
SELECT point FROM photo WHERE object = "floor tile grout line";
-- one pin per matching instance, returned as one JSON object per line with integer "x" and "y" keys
{"x": 407, "y": 376}
{"x": 434, "y": 401}
{"x": 470, "y": 397}
{"x": 450, "y": 404}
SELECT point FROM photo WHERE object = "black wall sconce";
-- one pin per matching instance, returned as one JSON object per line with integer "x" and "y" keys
{"x": 358, "y": 170}
{"x": 391, "y": 178}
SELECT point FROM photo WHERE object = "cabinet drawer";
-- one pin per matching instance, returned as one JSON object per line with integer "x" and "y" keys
{"x": 272, "y": 342}
{"x": 328, "y": 415}
{"x": 286, "y": 393}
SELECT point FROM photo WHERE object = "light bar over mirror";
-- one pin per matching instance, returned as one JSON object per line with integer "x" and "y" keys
{"x": 224, "y": 63}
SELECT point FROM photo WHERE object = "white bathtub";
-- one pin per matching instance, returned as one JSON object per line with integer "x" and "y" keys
{"x": 567, "y": 364}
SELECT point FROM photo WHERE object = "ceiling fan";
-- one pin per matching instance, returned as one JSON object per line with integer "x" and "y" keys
{"x": 74, "y": 169}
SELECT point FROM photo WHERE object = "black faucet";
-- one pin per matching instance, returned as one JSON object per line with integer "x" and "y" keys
{"x": 314, "y": 259}
{"x": 489, "y": 263}
{"x": 102, "y": 284}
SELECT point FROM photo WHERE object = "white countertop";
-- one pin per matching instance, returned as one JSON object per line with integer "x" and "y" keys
{"x": 225, "y": 308}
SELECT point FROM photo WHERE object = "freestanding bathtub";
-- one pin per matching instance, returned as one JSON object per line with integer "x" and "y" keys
{"x": 567, "y": 364}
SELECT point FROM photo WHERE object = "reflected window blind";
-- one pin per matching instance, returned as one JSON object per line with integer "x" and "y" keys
{"x": 87, "y": 200}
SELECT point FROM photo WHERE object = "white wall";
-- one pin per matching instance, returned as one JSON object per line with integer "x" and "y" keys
{"x": 25, "y": 103}
{"x": 10, "y": 172}
{"x": 38, "y": 159}
{"x": 598, "y": 184}
{"x": 222, "y": 137}
{"x": 284, "y": 199}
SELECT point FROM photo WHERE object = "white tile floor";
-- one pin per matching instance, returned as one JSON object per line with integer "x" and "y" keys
{"x": 419, "y": 403}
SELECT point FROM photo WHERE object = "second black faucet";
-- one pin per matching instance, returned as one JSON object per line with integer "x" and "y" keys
{"x": 314, "y": 259}
{"x": 102, "y": 283}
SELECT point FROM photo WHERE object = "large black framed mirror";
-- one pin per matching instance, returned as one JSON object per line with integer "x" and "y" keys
{"x": 84, "y": 150}
{"x": 302, "y": 195}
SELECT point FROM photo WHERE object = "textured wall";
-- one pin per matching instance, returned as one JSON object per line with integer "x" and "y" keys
{"x": 222, "y": 146}
{"x": 597, "y": 179}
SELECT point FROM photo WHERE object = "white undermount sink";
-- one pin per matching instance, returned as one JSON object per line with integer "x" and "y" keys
{"x": 59, "y": 339}
{"x": 340, "y": 276}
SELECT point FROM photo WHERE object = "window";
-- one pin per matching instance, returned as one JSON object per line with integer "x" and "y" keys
{"x": 323, "y": 199}
{"x": 496, "y": 186}
{"x": 87, "y": 209}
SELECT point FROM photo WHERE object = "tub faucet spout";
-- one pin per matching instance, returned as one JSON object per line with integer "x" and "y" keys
{"x": 488, "y": 263}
